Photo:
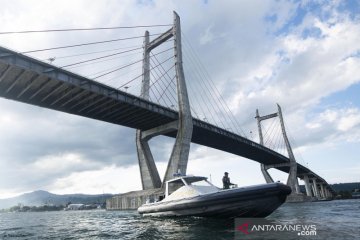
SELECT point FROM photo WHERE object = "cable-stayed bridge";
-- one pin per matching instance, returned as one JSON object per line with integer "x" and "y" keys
{"x": 154, "y": 112}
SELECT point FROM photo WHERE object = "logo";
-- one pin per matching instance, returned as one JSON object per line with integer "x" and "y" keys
{"x": 260, "y": 227}
{"x": 244, "y": 228}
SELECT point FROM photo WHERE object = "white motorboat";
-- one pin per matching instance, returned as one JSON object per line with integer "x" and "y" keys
{"x": 196, "y": 196}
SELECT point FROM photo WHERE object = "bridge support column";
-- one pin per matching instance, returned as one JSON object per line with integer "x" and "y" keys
{"x": 307, "y": 186}
{"x": 180, "y": 153}
{"x": 184, "y": 126}
{"x": 322, "y": 190}
{"x": 312, "y": 189}
{"x": 266, "y": 174}
{"x": 150, "y": 178}
{"x": 328, "y": 193}
{"x": 315, "y": 188}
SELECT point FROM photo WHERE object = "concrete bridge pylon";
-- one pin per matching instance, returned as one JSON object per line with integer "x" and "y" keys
{"x": 179, "y": 156}
{"x": 292, "y": 180}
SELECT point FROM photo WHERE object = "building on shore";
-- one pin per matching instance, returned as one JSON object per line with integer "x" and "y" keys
{"x": 133, "y": 199}
{"x": 356, "y": 194}
{"x": 75, "y": 206}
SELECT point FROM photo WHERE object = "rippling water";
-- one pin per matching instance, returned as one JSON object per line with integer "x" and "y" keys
{"x": 334, "y": 220}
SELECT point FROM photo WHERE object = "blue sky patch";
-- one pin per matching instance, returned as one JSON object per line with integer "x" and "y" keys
{"x": 296, "y": 20}
{"x": 347, "y": 97}
{"x": 352, "y": 7}
{"x": 312, "y": 32}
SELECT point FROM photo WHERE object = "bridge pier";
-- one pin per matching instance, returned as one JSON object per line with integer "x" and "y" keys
{"x": 330, "y": 195}
{"x": 315, "y": 188}
{"x": 326, "y": 192}
{"x": 307, "y": 186}
{"x": 323, "y": 195}
{"x": 322, "y": 191}
{"x": 266, "y": 174}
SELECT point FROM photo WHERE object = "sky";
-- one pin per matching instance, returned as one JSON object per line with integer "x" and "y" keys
{"x": 304, "y": 55}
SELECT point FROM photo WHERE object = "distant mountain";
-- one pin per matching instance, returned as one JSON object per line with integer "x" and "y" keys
{"x": 345, "y": 186}
{"x": 40, "y": 197}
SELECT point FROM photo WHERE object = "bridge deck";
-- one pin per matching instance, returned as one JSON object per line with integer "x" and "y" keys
{"x": 31, "y": 81}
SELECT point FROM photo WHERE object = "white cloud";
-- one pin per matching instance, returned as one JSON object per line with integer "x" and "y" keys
{"x": 350, "y": 120}
{"x": 207, "y": 37}
{"x": 59, "y": 162}
{"x": 299, "y": 72}
{"x": 110, "y": 179}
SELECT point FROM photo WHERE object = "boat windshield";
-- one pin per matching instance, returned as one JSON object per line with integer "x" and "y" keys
{"x": 200, "y": 183}
{"x": 173, "y": 186}
{"x": 197, "y": 184}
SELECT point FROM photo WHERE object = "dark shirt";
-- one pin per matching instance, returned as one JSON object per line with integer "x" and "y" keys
{"x": 226, "y": 182}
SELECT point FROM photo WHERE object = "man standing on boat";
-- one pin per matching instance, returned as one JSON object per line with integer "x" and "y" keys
{"x": 226, "y": 181}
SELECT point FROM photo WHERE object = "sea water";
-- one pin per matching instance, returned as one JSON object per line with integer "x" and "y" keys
{"x": 338, "y": 219}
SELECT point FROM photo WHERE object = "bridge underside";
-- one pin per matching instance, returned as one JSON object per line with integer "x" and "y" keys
{"x": 31, "y": 81}
{"x": 80, "y": 98}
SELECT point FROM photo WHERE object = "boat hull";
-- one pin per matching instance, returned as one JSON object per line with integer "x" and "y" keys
{"x": 255, "y": 201}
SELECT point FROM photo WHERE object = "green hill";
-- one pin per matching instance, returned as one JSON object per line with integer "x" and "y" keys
{"x": 40, "y": 197}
